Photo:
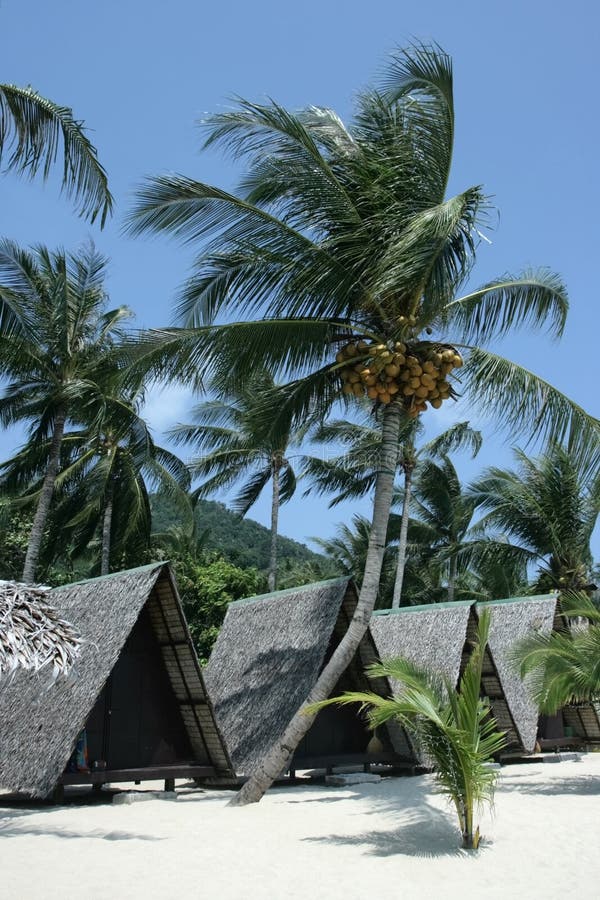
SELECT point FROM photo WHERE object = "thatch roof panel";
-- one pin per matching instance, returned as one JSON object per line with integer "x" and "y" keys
{"x": 266, "y": 659}
{"x": 431, "y": 636}
{"x": 511, "y": 622}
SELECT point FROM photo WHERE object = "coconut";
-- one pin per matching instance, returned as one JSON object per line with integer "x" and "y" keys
{"x": 392, "y": 370}
{"x": 372, "y": 393}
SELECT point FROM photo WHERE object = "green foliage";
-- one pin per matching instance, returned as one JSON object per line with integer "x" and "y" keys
{"x": 206, "y": 586}
{"x": 564, "y": 666}
{"x": 453, "y": 726}
{"x": 31, "y": 130}
{"x": 14, "y": 534}
{"x": 545, "y": 511}
{"x": 242, "y": 541}
{"x": 338, "y": 232}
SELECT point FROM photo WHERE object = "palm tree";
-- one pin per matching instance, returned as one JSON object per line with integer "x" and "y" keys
{"x": 230, "y": 448}
{"x": 106, "y": 487}
{"x": 454, "y": 727}
{"x": 58, "y": 351}
{"x": 32, "y": 128}
{"x": 547, "y": 510}
{"x": 563, "y": 666}
{"x": 341, "y": 250}
{"x": 353, "y": 473}
{"x": 348, "y": 551}
{"x": 445, "y": 515}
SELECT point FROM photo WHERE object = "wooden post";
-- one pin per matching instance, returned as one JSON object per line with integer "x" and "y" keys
{"x": 169, "y": 784}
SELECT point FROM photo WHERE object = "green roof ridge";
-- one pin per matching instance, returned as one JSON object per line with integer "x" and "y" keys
{"x": 526, "y": 597}
{"x": 145, "y": 568}
{"x": 290, "y": 590}
{"x": 448, "y": 604}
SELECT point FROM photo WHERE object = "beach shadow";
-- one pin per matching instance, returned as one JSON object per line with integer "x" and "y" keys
{"x": 579, "y": 785}
{"x": 15, "y": 824}
{"x": 424, "y": 833}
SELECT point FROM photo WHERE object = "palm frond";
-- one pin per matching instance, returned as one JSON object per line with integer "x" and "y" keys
{"x": 534, "y": 299}
{"x": 32, "y": 128}
{"x": 524, "y": 403}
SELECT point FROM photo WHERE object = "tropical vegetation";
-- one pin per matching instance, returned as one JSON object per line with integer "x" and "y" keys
{"x": 230, "y": 446}
{"x": 33, "y": 129}
{"x": 452, "y": 725}
{"x": 343, "y": 245}
{"x": 563, "y": 667}
{"x": 60, "y": 348}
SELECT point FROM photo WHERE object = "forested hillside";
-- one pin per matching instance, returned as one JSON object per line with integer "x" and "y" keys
{"x": 240, "y": 540}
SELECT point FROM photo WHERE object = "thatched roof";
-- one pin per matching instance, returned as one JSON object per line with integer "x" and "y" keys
{"x": 512, "y": 620}
{"x": 268, "y": 655}
{"x": 32, "y": 634}
{"x": 430, "y": 636}
{"x": 39, "y": 724}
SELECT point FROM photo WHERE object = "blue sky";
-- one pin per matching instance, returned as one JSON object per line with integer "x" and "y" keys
{"x": 142, "y": 74}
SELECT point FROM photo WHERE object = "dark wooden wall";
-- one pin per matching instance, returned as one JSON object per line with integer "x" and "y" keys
{"x": 136, "y": 721}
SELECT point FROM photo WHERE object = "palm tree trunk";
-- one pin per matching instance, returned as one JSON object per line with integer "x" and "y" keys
{"x": 452, "y": 578}
{"x": 272, "y": 580}
{"x": 278, "y": 757}
{"x": 106, "y": 535}
{"x": 43, "y": 508}
{"x": 401, "y": 563}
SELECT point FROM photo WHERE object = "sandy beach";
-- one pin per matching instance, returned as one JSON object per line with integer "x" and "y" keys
{"x": 394, "y": 839}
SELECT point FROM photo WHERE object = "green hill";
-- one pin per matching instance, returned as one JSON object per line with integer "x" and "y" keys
{"x": 242, "y": 541}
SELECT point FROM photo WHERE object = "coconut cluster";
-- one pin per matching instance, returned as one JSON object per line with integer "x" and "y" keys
{"x": 417, "y": 373}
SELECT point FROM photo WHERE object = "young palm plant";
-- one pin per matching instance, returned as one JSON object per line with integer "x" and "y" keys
{"x": 547, "y": 510}
{"x": 32, "y": 128}
{"x": 230, "y": 447}
{"x": 564, "y": 666}
{"x": 454, "y": 727}
{"x": 57, "y": 353}
{"x": 346, "y": 258}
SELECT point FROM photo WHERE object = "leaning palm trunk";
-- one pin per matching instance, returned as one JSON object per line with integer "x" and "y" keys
{"x": 401, "y": 564}
{"x": 43, "y": 508}
{"x": 106, "y": 535}
{"x": 282, "y": 751}
{"x": 272, "y": 581}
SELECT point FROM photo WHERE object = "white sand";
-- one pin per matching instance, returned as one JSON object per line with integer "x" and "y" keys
{"x": 396, "y": 839}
